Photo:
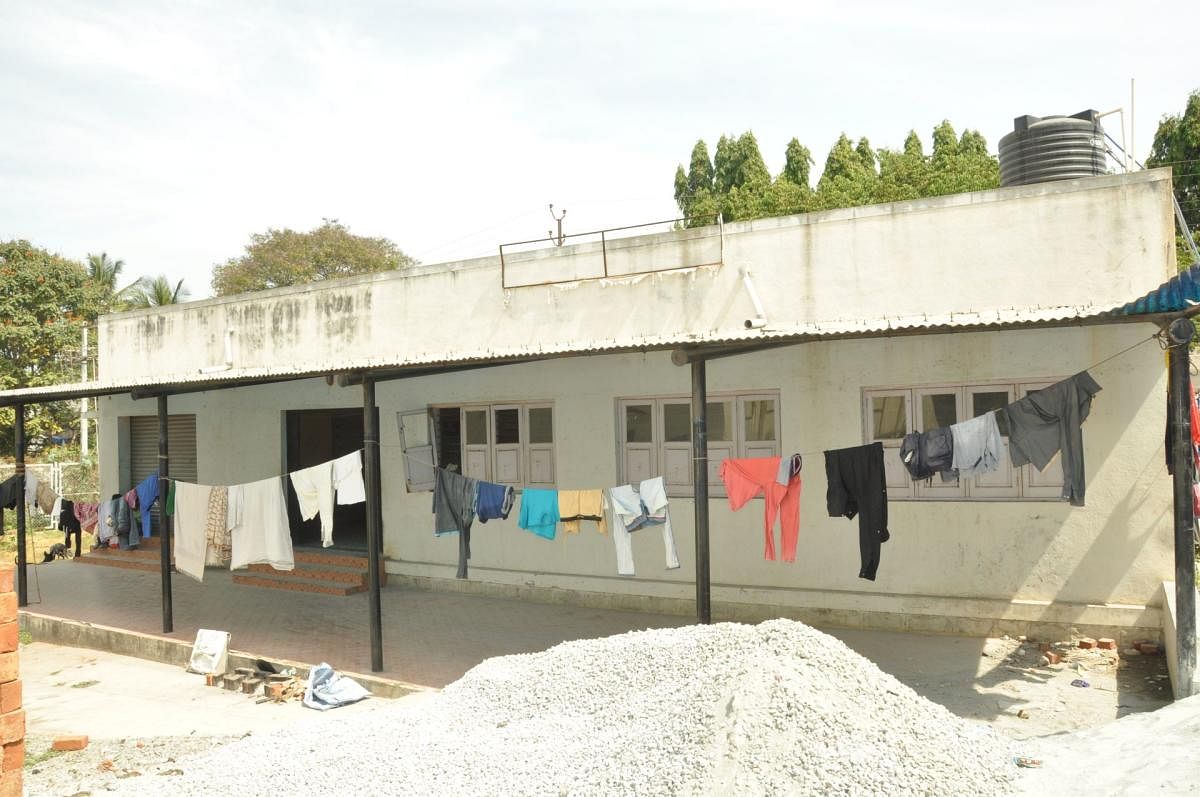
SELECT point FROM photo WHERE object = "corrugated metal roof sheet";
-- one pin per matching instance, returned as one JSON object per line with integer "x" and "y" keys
{"x": 1174, "y": 296}
{"x": 1013, "y": 318}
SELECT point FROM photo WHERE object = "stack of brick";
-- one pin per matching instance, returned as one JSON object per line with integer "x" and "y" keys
{"x": 12, "y": 716}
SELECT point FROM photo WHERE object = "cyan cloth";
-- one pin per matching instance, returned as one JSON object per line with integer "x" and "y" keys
{"x": 539, "y": 512}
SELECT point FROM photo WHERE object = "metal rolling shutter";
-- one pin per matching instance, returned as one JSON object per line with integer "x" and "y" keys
{"x": 143, "y": 450}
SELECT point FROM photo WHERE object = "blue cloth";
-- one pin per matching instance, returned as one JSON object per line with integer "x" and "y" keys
{"x": 539, "y": 512}
{"x": 493, "y": 501}
{"x": 147, "y": 493}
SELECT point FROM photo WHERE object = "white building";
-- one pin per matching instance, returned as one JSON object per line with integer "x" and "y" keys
{"x": 554, "y": 368}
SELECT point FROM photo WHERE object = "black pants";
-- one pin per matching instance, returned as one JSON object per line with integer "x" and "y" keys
{"x": 68, "y": 523}
{"x": 857, "y": 487}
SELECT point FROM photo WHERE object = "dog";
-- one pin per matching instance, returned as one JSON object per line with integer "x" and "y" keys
{"x": 57, "y": 551}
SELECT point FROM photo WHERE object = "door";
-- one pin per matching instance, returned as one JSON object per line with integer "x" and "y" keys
{"x": 143, "y": 452}
{"x": 313, "y": 437}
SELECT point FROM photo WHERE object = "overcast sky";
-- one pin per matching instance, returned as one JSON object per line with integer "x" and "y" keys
{"x": 167, "y": 133}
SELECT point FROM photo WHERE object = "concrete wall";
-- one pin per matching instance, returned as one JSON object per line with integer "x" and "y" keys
{"x": 1029, "y": 253}
{"x": 975, "y": 567}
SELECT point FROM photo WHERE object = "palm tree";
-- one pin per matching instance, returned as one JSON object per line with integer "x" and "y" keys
{"x": 104, "y": 272}
{"x": 155, "y": 292}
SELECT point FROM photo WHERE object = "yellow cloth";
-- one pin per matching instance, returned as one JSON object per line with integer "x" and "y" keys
{"x": 577, "y": 505}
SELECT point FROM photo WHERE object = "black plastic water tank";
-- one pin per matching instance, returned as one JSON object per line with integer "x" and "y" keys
{"x": 1041, "y": 149}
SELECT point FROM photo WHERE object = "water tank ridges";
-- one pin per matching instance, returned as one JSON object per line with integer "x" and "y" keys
{"x": 1041, "y": 149}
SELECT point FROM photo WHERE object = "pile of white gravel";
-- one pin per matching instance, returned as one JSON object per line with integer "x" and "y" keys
{"x": 773, "y": 708}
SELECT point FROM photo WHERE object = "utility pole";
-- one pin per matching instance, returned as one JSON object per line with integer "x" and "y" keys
{"x": 83, "y": 402}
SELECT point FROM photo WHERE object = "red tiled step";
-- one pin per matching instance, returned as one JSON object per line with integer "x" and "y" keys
{"x": 340, "y": 575}
{"x": 295, "y": 584}
{"x": 310, "y": 556}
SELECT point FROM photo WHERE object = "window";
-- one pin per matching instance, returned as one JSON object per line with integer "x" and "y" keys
{"x": 509, "y": 444}
{"x": 656, "y": 436}
{"x": 891, "y": 413}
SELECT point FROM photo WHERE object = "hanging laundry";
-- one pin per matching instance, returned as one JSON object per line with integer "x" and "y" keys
{"x": 31, "y": 487}
{"x": 747, "y": 478}
{"x": 46, "y": 497}
{"x": 147, "y": 494}
{"x": 69, "y": 524}
{"x": 314, "y": 494}
{"x": 635, "y": 509}
{"x": 131, "y": 498}
{"x": 454, "y": 511}
{"x": 977, "y": 445}
{"x": 539, "y": 512}
{"x": 10, "y": 492}
{"x": 105, "y": 522}
{"x": 927, "y": 453}
{"x": 125, "y": 524}
{"x": 493, "y": 501}
{"x": 789, "y": 467}
{"x": 348, "y": 479}
{"x": 575, "y": 506}
{"x": 86, "y": 514}
{"x": 190, "y": 527}
{"x": 258, "y": 525}
{"x": 1048, "y": 421}
{"x": 219, "y": 546}
{"x": 856, "y": 486}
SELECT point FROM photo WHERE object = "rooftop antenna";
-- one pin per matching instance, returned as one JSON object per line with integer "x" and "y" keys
{"x": 558, "y": 239}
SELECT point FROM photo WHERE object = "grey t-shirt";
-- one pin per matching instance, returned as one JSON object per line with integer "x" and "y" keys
{"x": 1048, "y": 421}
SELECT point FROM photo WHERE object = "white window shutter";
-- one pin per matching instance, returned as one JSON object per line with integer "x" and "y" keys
{"x": 416, "y": 444}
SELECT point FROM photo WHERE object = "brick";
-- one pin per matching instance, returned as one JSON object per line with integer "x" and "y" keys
{"x": 1087, "y": 643}
{"x": 10, "y": 666}
{"x": 14, "y": 756}
{"x": 1054, "y": 656}
{"x": 66, "y": 743}
{"x": 7, "y": 574}
{"x": 1106, "y": 644}
{"x": 212, "y": 679}
{"x": 8, "y": 637}
{"x": 12, "y": 726}
{"x": 10, "y": 783}
{"x": 1149, "y": 648}
{"x": 8, "y": 607}
{"x": 1044, "y": 646}
{"x": 10, "y": 696}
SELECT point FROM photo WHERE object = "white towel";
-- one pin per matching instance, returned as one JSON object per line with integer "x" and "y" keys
{"x": 191, "y": 528}
{"x": 258, "y": 525}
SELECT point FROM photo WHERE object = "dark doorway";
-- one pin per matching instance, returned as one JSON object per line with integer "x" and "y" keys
{"x": 313, "y": 437}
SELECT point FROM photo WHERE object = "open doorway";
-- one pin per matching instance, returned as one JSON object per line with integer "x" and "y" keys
{"x": 313, "y": 437}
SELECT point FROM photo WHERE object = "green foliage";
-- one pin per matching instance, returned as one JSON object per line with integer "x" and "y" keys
{"x": 854, "y": 174}
{"x": 285, "y": 257}
{"x": 155, "y": 292}
{"x": 44, "y": 302}
{"x": 1177, "y": 144}
{"x": 104, "y": 272}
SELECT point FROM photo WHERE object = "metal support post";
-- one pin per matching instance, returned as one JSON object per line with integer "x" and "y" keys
{"x": 1181, "y": 467}
{"x": 164, "y": 528}
{"x": 22, "y": 575}
{"x": 700, "y": 490}
{"x": 374, "y": 517}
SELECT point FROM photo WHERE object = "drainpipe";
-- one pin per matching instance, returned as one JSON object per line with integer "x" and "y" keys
{"x": 760, "y": 316}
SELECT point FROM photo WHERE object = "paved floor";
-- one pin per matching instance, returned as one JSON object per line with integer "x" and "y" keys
{"x": 432, "y": 638}
{"x": 429, "y": 638}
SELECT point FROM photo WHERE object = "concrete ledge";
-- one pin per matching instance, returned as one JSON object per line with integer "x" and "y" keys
{"x": 1170, "y": 637}
{"x": 913, "y": 613}
{"x": 73, "y": 633}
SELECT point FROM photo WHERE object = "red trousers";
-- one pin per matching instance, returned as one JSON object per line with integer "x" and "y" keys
{"x": 746, "y": 478}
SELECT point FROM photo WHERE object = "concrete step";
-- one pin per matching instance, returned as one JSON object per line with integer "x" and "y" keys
{"x": 321, "y": 572}
{"x": 316, "y": 556}
{"x": 296, "y": 584}
{"x": 149, "y": 565}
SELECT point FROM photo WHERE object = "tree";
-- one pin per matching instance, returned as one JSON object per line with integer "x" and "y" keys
{"x": 155, "y": 292}
{"x": 104, "y": 273}
{"x": 796, "y": 164}
{"x": 44, "y": 302}
{"x": 1177, "y": 144}
{"x": 693, "y": 190}
{"x": 285, "y": 257}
